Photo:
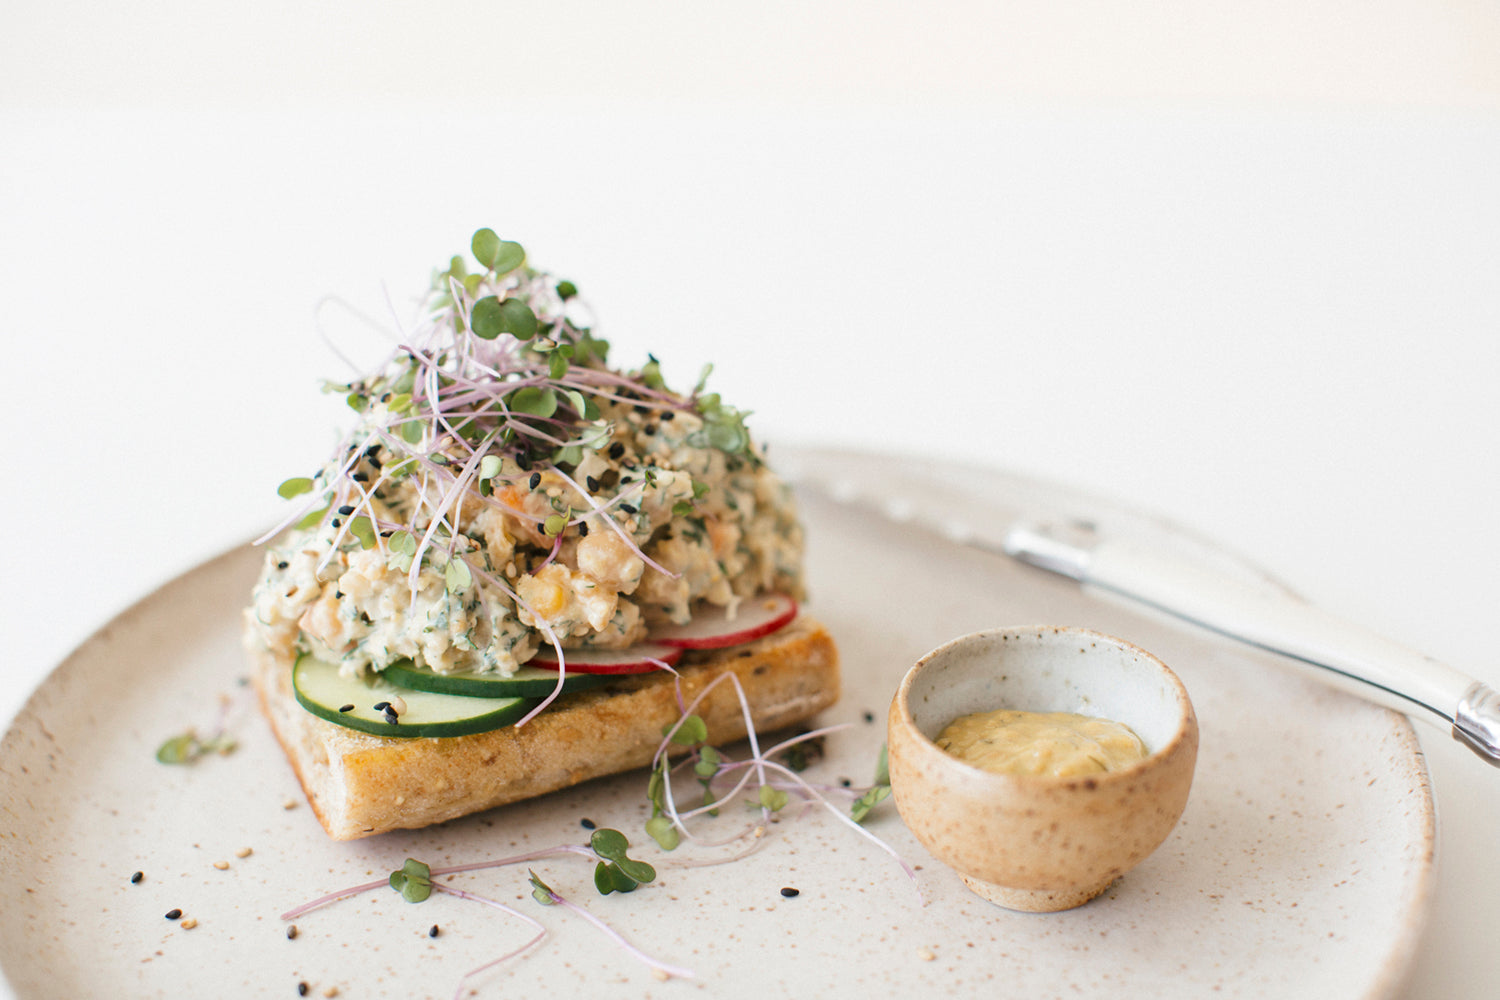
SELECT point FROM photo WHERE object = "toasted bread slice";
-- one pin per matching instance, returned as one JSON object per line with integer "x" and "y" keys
{"x": 359, "y": 784}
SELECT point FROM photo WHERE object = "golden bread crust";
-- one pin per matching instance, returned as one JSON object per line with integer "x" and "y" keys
{"x": 359, "y": 784}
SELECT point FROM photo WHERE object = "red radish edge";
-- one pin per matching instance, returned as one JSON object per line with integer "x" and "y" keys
{"x": 636, "y": 659}
{"x": 712, "y": 629}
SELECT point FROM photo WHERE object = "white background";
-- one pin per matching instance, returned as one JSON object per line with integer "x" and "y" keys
{"x": 1236, "y": 265}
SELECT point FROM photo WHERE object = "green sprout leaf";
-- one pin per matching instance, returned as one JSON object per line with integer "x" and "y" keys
{"x": 178, "y": 749}
{"x": 541, "y": 891}
{"x": 294, "y": 487}
{"x": 566, "y": 290}
{"x": 361, "y": 528}
{"x": 492, "y": 316}
{"x": 703, "y": 379}
{"x": 609, "y": 877}
{"x": 413, "y": 880}
{"x": 403, "y": 546}
{"x": 456, "y": 577}
{"x": 709, "y": 760}
{"x": 611, "y": 845}
{"x": 500, "y": 256}
{"x": 878, "y": 792}
{"x": 533, "y": 400}
{"x": 661, "y": 830}
{"x": 868, "y": 801}
{"x": 772, "y": 798}
{"x": 313, "y": 519}
{"x": 691, "y": 730}
{"x": 187, "y": 748}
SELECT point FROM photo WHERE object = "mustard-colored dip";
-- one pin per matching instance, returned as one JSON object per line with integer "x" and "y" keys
{"x": 1047, "y": 744}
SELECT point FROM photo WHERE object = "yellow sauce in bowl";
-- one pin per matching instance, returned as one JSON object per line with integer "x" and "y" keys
{"x": 1044, "y": 744}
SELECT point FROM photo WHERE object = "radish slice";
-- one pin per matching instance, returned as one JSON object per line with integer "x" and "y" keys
{"x": 636, "y": 659}
{"x": 711, "y": 628}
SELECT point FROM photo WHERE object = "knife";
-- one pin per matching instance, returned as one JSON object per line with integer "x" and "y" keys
{"x": 1152, "y": 565}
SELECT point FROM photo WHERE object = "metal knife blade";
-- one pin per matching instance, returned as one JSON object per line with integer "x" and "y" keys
{"x": 1152, "y": 565}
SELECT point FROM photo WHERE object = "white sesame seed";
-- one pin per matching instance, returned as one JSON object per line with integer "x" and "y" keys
{"x": 398, "y": 705}
{"x": 189, "y": 923}
{"x": 925, "y": 954}
{"x": 289, "y": 804}
{"x": 221, "y": 865}
{"x": 243, "y": 852}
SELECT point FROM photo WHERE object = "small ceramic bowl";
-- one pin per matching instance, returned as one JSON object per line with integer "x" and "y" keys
{"x": 1041, "y": 843}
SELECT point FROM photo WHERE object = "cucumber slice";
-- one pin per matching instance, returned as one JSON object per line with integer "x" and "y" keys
{"x": 323, "y": 691}
{"x": 527, "y": 682}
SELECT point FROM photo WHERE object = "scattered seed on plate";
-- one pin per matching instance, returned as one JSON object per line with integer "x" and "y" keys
{"x": 243, "y": 852}
{"x": 135, "y": 878}
{"x": 173, "y": 913}
{"x": 869, "y": 716}
{"x": 221, "y": 865}
{"x": 331, "y": 991}
{"x": 289, "y": 804}
{"x": 588, "y": 824}
{"x": 925, "y": 954}
{"x": 302, "y": 989}
{"x": 432, "y": 931}
{"x": 291, "y": 932}
{"x": 789, "y": 892}
{"x": 190, "y": 923}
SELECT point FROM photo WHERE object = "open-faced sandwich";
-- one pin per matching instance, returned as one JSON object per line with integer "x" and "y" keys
{"x": 518, "y": 565}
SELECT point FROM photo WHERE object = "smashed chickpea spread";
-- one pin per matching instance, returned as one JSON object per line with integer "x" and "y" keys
{"x": 505, "y": 488}
{"x": 1048, "y": 744}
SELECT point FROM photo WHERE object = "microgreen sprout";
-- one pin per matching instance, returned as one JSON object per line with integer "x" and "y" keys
{"x": 877, "y": 792}
{"x": 188, "y": 747}
{"x": 185, "y": 748}
{"x": 413, "y": 880}
{"x": 608, "y": 848}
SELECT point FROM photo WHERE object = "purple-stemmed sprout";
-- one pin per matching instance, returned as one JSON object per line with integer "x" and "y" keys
{"x": 545, "y": 895}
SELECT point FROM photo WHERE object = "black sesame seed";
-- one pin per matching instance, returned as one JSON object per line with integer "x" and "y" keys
{"x": 591, "y": 483}
{"x": 291, "y": 933}
{"x": 649, "y": 429}
{"x": 616, "y": 450}
{"x": 869, "y": 716}
{"x": 346, "y": 708}
{"x": 845, "y": 782}
{"x": 432, "y": 931}
{"x": 789, "y": 892}
{"x": 627, "y": 508}
{"x": 583, "y": 529}
{"x": 588, "y": 824}
{"x": 372, "y": 460}
{"x": 541, "y": 528}
{"x": 173, "y": 913}
{"x": 668, "y": 415}
{"x": 336, "y": 522}
{"x": 381, "y": 706}
{"x": 535, "y": 480}
{"x": 391, "y": 718}
{"x": 302, "y": 989}
{"x": 360, "y": 477}
{"x": 281, "y": 565}
{"x": 135, "y": 879}
{"x": 346, "y": 510}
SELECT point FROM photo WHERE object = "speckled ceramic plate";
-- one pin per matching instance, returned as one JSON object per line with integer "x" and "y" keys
{"x": 1301, "y": 866}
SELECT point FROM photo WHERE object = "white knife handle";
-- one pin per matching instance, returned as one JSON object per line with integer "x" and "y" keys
{"x": 1346, "y": 655}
